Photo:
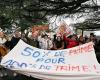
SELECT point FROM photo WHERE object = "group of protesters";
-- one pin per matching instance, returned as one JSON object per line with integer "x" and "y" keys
{"x": 44, "y": 41}
{"x": 59, "y": 42}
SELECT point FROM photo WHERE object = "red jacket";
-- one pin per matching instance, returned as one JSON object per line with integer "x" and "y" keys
{"x": 71, "y": 43}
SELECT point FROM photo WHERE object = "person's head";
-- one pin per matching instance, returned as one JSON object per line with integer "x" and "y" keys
{"x": 35, "y": 34}
{"x": 1, "y": 34}
{"x": 91, "y": 34}
{"x": 45, "y": 36}
{"x": 22, "y": 34}
{"x": 92, "y": 37}
{"x": 17, "y": 34}
{"x": 81, "y": 38}
{"x": 74, "y": 37}
{"x": 58, "y": 38}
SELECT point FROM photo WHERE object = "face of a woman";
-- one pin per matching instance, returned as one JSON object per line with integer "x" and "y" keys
{"x": 81, "y": 38}
{"x": 58, "y": 38}
{"x": 92, "y": 37}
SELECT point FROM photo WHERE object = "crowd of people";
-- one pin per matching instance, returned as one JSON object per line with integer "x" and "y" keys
{"x": 44, "y": 41}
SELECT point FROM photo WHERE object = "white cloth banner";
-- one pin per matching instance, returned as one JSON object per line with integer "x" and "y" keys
{"x": 77, "y": 63}
{"x": 64, "y": 29}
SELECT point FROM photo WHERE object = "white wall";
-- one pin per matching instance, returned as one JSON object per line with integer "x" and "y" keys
{"x": 87, "y": 33}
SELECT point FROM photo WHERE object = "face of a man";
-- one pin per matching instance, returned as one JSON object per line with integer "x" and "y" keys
{"x": 17, "y": 34}
{"x": 45, "y": 37}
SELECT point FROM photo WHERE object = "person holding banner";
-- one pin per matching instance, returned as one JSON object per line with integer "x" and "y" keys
{"x": 3, "y": 39}
{"x": 58, "y": 43}
{"x": 16, "y": 37}
{"x": 81, "y": 40}
{"x": 72, "y": 41}
{"x": 45, "y": 42}
{"x": 65, "y": 31}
